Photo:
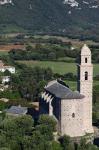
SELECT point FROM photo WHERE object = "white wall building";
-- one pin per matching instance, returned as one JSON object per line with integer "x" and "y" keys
{"x": 3, "y": 68}
{"x": 72, "y": 109}
{"x": 5, "y": 79}
{"x": 2, "y": 2}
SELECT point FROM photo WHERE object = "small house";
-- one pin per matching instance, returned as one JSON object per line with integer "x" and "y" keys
{"x": 16, "y": 111}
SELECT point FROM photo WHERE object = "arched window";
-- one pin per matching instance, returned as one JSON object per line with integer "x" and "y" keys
{"x": 86, "y": 75}
{"x": 86, "y": 60}
{"x": 73, "y": 115}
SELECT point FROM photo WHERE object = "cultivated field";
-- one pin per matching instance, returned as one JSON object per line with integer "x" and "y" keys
{"x": 58, "y": 67}
{"x": 3, "y": 53}
{"x": 11, "y": 46}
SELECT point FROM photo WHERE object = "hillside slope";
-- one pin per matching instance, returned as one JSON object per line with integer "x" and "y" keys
{"x": 72, "y": 17}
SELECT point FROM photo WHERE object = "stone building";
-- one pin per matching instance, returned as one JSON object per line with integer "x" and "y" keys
{"x": 72, "y": 109}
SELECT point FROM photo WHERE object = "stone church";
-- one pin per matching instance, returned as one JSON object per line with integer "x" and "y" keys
{"x": 72, "y": 109}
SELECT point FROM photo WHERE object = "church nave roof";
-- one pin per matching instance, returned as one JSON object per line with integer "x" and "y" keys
{"x": 61, "y": 90}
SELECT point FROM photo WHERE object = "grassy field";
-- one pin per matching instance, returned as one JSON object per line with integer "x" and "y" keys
{"x": 73, "y": 84}
{"x": 58, "y": 67}
{"x": 67, "y": 59}
{"x": 3, "y": 53}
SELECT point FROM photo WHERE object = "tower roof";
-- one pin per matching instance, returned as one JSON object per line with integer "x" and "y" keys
{"x": 61, "y": 91}
{"x": 85, "y": 50}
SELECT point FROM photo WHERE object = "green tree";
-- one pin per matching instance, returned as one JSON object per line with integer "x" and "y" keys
{"x": 46, "y": 131}
{"x": 36, "y": 142}
{"x": 7, "y": 73}
{"x": 29, "y": 48}
{"x": 14, "y": 129}
{"x": 56, "y": 146}
{"x": 66, "y": 143}
{"x": 49, "y": 121}
{"x": 84, "y": 145}
{"x": 51, "y": 56}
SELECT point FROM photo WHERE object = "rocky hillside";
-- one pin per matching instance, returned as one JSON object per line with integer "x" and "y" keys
{"x": 69, "y": 17}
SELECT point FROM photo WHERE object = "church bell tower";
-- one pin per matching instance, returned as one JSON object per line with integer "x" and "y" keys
{"x": 85, "y": 84}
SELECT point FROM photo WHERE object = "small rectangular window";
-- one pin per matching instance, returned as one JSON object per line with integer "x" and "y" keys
{"x": 85, "y": 60}
{"x": 86, "y": 75}
{"x": 73, "y": 115}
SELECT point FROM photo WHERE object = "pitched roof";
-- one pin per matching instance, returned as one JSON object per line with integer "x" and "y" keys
{"x": 85, "y": 50}
{"x": 17, "y": 110}
{"x": 3, "y": 66}
{"x": 62, "y": 91}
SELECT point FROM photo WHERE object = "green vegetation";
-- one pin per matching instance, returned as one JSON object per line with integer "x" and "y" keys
{"x": 25, "y": 87}
{"x": 45, "y": 51}
{"x": 2, "y": 53}
{"x": 48, "y": 121}
{"x": 58, "y": 67}
{"x": 67, "y": 59}
{"x": 3, "y": 106}
{"x": 11, "y": 28}
{"x": 51, "y": 49}
{"x": 12, "y": 95}
{"x": 26, "y": 16}
{"x": 29, "y": 82}
{"x": 22, "y": 133}
{"x": 72, "y": 84}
